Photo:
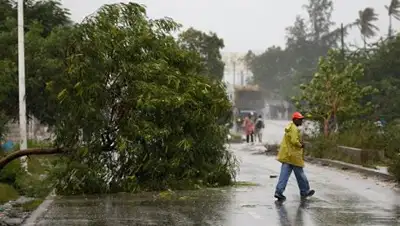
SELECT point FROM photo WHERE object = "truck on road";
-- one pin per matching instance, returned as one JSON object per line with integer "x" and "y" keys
{"x": 247, "y": 99}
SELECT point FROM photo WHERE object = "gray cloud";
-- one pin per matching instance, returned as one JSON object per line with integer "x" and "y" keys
{"x": 243, "y": 24}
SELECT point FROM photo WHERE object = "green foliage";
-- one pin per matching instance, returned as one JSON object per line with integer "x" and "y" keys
{"x": 365, "y": 21}
{"x": 29, "y": 206}
{"x": 32, "y": 185}
{"x": 10, "y": 173}
{"x": 321, "y": 147}
{"x": 4, "y": 119}
{"x": 245, "y": 184}
{"x": 279, "y": 71}
{"x": 308, "y": 39}
{"x": 269, "y": 69}
{"x": 135, "y": 111}
{"x": 394, "y": 12}
{"x": 394, "y": 168}
{"x": 45, "y": 23}
{"x": 208, "y": 46}
{"x": 7, "y": 193}
{"x": 362, "y": 134}
{"x": 381, "y": 68}
{"x": 334, "y": 91}
{"x": 390, "y": 140}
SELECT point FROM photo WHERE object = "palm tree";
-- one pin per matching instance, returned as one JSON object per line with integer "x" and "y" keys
{"x": 365, "y": 21}
{"x": 393, "y": 11}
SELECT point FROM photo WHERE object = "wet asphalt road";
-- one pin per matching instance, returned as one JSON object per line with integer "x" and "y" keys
{"x": 342, "y": 198}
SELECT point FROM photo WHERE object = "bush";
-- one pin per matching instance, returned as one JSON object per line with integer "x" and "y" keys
{"x": 321, "y": 147}
{"x": 394, "y": 168}
{"x": 391, "y": 138}
{"x": 10, "y": 173}
{"x": 7, "y": 193}
{"x": 33, "y": 185}
{"x": 361, "y": 134}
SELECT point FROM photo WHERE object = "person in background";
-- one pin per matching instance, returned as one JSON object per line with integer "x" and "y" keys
{"x": 249, "y": 128}
{"x": 291, "y": 156}
{"x": 259, "y": 126}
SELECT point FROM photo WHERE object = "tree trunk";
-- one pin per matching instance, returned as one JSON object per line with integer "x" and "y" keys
{"x": 33, "y": 151}
{"x": 390, "y": 27}
{"x": 342, "y": 40}
{"x": 326, "y": 127}
{"x": 365, "y": 42}
{"x": 335, "y": 123}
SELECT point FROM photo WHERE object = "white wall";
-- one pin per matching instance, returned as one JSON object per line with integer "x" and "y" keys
{"x": 35, "y": 131}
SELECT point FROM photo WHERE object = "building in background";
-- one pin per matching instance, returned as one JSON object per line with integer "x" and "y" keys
{"x": 237, "y": 74}
{"x": 35, "y": 131}
{"x": 235, "y": 71}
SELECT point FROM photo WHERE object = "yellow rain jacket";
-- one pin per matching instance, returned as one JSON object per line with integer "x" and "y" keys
{"x": 290, "y": 150}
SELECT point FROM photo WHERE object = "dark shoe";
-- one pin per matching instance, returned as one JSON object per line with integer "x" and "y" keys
{"x": 309, "y": 194}
{"x": 280, "y": 197}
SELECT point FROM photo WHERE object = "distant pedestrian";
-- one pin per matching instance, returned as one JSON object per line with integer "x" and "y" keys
{"x": 259, "y": 126}
{"x": 291, "y": 155}
{"x": 248, "y": 125}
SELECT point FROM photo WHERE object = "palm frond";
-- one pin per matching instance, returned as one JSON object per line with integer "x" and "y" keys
{"x": 365, "y": 21}
{"x": 393, "y": 8}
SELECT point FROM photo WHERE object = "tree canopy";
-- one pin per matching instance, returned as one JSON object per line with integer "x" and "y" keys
{"x": 208, "y": 45}
{"x": 307, "y": 39}
{"x": 381, "y": 71}
{"x": 334, "y": 91}
{"x": 136, "y": 108}
{"x": 131, "y": 107}
{"x": 46, "y": 25}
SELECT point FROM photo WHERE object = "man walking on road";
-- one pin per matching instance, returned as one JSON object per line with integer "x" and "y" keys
{"x": 259, "y": 127}
{"x": 292, "y": 159}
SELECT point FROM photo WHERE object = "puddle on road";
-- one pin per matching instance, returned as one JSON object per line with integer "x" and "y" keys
{"x": 224, "y": 206}
{"x": 175, "y": 208}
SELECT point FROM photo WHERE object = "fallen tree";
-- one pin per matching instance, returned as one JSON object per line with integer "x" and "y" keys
{"x": 27, "y": 152}
{"x": 134, "y": 105}
{"x": 138, "y": 108}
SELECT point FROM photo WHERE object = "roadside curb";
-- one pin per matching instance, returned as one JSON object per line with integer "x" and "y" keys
{"x": 343, "y": 166}
{"x": 351, "y": 167}
{"x": 38, "y": 212}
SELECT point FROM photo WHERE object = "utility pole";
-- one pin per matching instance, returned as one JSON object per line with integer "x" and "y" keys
{"x": 233, "y": 61}
{"x": 21, "y": 83}
{"x": 234, "y": 72}
{"x": 342, "y": 38}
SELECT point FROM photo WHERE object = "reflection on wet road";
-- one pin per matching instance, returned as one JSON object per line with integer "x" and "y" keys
{"x": 342, "y": 198}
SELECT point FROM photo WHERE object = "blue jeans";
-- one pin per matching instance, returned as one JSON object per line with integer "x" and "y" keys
{"x": 286, "y": 171}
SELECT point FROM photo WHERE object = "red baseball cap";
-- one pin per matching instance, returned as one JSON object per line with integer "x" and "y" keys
{"x": 297, "y": 115}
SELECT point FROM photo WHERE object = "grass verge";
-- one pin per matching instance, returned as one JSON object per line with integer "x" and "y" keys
{"x": 7, "y": 193}
{"x": 30, "y": 206}
{"x": 245, "y": 184}
{"x": 15, "y": 182}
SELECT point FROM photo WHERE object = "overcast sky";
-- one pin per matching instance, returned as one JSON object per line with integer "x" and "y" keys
{"x": 243, "y": 24}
